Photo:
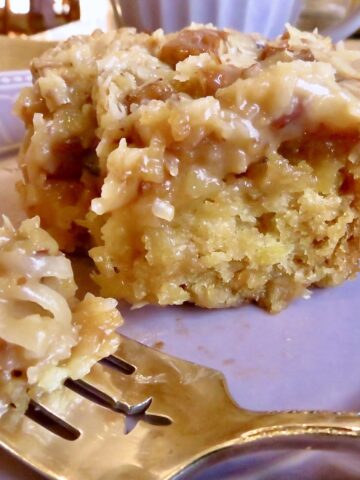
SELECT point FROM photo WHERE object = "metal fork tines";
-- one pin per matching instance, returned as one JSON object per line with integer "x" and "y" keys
{"x": 142, "y": 414}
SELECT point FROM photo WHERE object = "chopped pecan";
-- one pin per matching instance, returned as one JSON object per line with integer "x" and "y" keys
{"x": 220, "y": 77}
{"x": 191, "y": 42}
{"x": 158, "y": 90}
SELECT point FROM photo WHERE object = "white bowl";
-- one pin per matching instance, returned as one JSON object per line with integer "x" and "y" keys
{"x": 267, "y": 17}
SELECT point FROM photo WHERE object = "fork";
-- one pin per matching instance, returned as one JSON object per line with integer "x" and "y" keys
{"x": 141, "y": 414}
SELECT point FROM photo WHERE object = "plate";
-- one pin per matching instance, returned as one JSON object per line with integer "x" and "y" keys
{"x": 306, "y": 357}
{"x": 10, "y": 127}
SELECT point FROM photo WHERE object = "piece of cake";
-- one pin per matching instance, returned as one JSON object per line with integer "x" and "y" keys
{"x": 203, "y": 166}
{"x": 46, "y": 334}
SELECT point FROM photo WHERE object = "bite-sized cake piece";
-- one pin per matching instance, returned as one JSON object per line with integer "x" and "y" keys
{"x": 46, "y": 334}
{"x": 203, "y": 166}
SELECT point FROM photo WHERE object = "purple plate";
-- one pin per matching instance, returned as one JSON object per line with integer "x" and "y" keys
{"x": 306, "y": 357}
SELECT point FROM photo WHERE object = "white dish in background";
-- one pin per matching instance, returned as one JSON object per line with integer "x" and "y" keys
{"x": 267, "y": 17}
{"x": 306, "y": 357}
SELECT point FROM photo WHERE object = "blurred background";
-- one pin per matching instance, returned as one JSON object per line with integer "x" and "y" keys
{"x": 59, "y": 18}
{"x": 29, "y": 17}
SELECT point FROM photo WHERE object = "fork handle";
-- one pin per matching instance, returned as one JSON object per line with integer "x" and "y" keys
{"x": 270, "y": 425}
{"x": 316, "y": 430}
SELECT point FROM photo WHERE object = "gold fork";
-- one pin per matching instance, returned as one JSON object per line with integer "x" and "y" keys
{"x": 141, "y": 414}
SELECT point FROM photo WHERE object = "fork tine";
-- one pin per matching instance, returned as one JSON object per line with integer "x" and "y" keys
{"x": 157, "y": 376}
{"x": 49, "y": 453}
{"x": 28, "y": 443}
{"x": 98, "y": 453}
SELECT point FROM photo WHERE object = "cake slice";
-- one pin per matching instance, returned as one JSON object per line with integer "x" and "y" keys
{"x": 203, "y": 166}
